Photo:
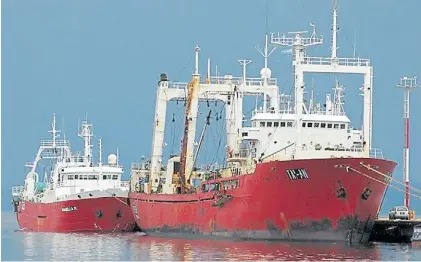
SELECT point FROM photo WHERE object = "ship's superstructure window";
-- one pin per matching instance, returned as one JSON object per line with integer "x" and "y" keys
{"x": 262, "y": 124}
{"x": 289, "y": 124}
{"x": 282, "y": 124}
{"x": 276, "y": 124}
{"x": 323, "y": 125}
{"x": 269, "y": 124}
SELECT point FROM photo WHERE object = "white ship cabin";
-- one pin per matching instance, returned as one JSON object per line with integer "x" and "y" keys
{"x": 323, "y": 134}
{"x": 73, "y": 176}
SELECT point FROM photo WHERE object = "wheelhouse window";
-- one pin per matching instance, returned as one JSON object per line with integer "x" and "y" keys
{"x": 262, "y": 124}
{"x": 316, "y": 125}
{"x": 115, "y": 177}
{"x": 304, "y": 124}
{"x": 106, "y": 177}
{"x": 275, "y": 124}
{"x": 342, "y": 126}
{"x": 309, "y": 124}
{"x": 269, "y": 124}
{"x": 323, "y": 125}
{"x": 282, "y": 124}
{"x": 329, "y": 125}
{"x": 336, "y": 126}
{"x": 289, "y": 124}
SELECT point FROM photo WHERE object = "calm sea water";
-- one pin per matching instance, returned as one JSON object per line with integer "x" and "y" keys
{"x": 17, "y": 245}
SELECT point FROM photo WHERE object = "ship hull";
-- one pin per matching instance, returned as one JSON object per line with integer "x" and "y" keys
{"x": 322, "y": 203}
{"x": 102, "y": 214}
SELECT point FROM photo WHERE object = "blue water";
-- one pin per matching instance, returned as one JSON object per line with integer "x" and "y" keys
{"x": 17, "y": 245}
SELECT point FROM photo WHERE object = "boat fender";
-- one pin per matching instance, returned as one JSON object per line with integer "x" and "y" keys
{"x": 98, "y": 214}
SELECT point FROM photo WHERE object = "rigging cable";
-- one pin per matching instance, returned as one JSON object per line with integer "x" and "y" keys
{"x": 381, "y": 182}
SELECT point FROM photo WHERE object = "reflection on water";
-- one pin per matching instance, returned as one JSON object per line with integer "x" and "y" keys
{"x": 131, "y": 246}
{"x": 56, "y": 246}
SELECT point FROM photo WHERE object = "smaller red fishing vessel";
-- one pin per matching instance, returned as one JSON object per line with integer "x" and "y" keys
{"x": 77, "y": 195}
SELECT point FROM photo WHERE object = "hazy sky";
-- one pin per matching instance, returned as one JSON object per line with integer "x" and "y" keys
{"x": 103, "y": 58}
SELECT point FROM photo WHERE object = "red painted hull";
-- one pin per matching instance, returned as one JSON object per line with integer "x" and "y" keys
{"x": 269, "y": 205}
{"x": 95, "y": 214}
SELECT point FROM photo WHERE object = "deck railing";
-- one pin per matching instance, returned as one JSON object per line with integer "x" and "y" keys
{"x": 17, "y": 190}
{"x": 124, "y": 183}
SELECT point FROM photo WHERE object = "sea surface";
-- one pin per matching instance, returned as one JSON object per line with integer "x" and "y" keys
{"x": 16, "y": 245}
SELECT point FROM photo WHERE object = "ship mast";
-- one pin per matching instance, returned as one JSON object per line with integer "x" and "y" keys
{"x": 265, "y": 72}
{"x": 333, "y": 64}
{"x": 100, "y": 152}
{"x": 334, "y": 30}
{"x": 86, "y": 134}
{"x": 192, "y": 103}
{"x": 54, "y": 131}
{"x": 299, "y": 43}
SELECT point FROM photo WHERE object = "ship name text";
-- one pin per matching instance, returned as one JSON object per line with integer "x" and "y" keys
{"x": 297, "y": 174}
{"x": 68, "y": 209}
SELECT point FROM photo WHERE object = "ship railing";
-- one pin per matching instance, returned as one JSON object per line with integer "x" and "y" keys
{"x": 115, "y": 184}
{"x": 138, "y": 166}
{"x": 210, "y": 167}
{"x": 373, "y": 152}
{"x": 75, "y": 159}
{"x": 249, "y": 81}
{"x": 319, "y": 147}
{"x": 58, "y": 143}
{"x": 220, "y": 80}
{"x": 337, "y": 61}
{"x": 242, "y": 153}
{"x": 125, "y": 184}
{"x": 17, "y": 191}
{"x": 376, "y": 153}
{"x": 177, "y": 85}
{"x": 46, "y": 154}
{"x": 291, "y": 111}
{"x": 29, "y": 164}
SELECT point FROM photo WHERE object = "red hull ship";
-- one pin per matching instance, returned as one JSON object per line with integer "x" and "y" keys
{"x": 298, "y": 172}
{"x": 105, "y": 214}
{"x": 330, "y": 205}
{"x": 77, "y": 196}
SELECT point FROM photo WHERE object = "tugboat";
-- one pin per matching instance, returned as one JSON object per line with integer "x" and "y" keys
{"x": 78, "y": 195}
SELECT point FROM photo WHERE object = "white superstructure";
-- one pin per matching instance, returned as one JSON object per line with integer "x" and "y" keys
{"x": 72, "y": 176}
